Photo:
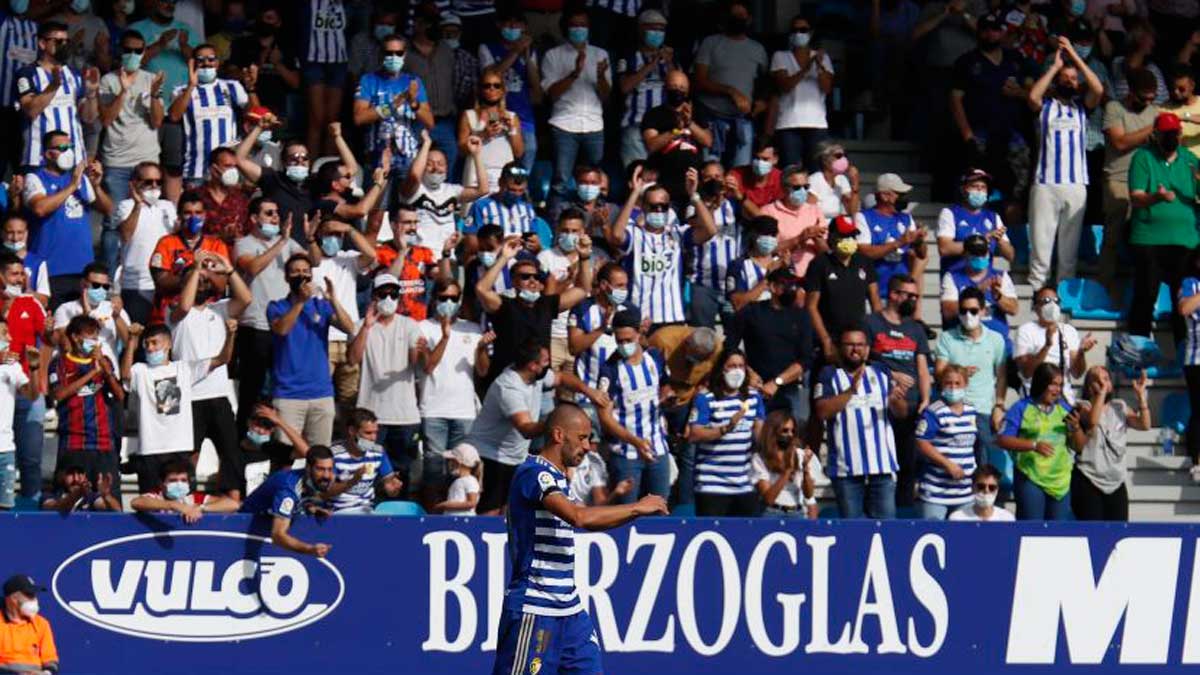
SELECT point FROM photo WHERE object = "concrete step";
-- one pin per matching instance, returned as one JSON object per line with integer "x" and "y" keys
{"x": 883, "y": 156}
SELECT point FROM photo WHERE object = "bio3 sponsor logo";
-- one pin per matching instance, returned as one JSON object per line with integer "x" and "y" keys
{"x": 196, "y": 586}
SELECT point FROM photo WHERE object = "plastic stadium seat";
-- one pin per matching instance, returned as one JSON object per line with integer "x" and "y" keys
{"x": 1087, "y": 299}
{"x": 1068, "y": 294}
{"x": 1018, "y": 235}
{"x": 1175, "y": 411}
{"x": 1163, "y": 305}
{"x": 1097, "y": 237}
{"x": 399, "y": 509}
{"x": 539, "y": 183}
{"x": 684, "y": 510}
{"x": 26, "y": 504}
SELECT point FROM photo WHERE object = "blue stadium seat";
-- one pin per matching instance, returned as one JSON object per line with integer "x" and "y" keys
{"x": 684, "y": 510}
{"x": 1018, "y": 235}
{"x": 1175, "y": 411}
{"x": 829, "y": 513}
{"x": 399, "y": 509}
{"x": 539, "y": 182}
{"x": 1163, "y": 304}
{"x": 1087, "y": 299}
{"x": 26, "y": 504}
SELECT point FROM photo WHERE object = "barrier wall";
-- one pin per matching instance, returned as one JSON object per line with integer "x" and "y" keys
{"x": 422, "y": 595}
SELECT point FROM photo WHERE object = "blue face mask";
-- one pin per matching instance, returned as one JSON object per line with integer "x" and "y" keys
{"x": 656, "y": 220}
{"x": 257, "y": 438}
{"x": 393, "y": 63}
{"x": 1078, "y": 7}
{"x": 331, "y": 245}
{"x": 530, "y": 296}
{"x": 384, "y": 30}
{"x": 655, "y": 38}
{"x": 767, "y": 243}
{"x": 176, "y": 490}
{"x": 977, "y": 263}
{"x": 156, "y": 358}
{"x": 452, "y": 43}
{"x": 19, "y": 6}
{"x": 511, "y": 34}
{"x": 95, "y": 296}
{"x": 568, "y": 241}
{"x": 193, "y": 225}
{"x": 297, "y": 172}
{"x": 487, "y": 258}
{"x": 269, "y": 230}
{"x": 131, "y": 62}
{"x": 206, "y": 75}
{"x": 577, "y": 35}
{"x": 977, "y": 198}
{"x": 265, "y": 136}
{"x": 3, "y": 346}
{"x": 510, "y": 198}
{"x": 447, "y": 308}
{"x": 761, "y": 167}
{"x": 14, "y": 246}
{"x": 1084, "y": 51}
{"x": 627, "y": 349}
{"x": 618, "y": 296}
{"x": 588, "y": 193}
{"x": 80, "y": 6}
{"x": 799, "y": 196}
{"x": 89, "y": 345}
{"x": 957, "y": 395}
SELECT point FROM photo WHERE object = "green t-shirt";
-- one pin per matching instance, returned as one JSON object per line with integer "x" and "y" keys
{"x": 1165, "y": 223}
{"x": 1026, "y": 420}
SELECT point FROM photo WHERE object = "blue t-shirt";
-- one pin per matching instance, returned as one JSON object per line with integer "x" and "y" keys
{"x": 300, "y": 369}
{"x": 64, "y": 238}
{"x": 378, "y": 89}
{"x": 170, "y": 60}
{"x": 279, "y": 495}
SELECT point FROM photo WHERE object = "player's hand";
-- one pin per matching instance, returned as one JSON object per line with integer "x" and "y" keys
{"x": 651, "y": 505}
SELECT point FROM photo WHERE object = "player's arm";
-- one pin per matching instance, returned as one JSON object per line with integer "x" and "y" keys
{"x": 281, "y": 538}
{"x": 602, "y": 517}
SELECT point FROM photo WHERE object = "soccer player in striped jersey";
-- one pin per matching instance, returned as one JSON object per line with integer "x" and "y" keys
{"x": 544, "y": 626}
{"x": 1059, "y": 194}
{"x": 946, "y": 437}
{"x": 651, "y": 243}
{"x": 856, "y": 401}
{"x": 725, "y": 422}
{"x": 54, "y": 97}
{"x": 209, "y": 107}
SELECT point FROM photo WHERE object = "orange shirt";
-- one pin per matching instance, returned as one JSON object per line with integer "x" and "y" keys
{"x": 418, "y": 264}
{"x": 26, "y": 645}
{"x": 172, "y": 254}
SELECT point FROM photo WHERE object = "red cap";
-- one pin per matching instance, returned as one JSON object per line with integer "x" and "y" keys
{"x": 1166, "y": 122}
{"x": 844, "y": 225}
{"x": 258, "y": 111}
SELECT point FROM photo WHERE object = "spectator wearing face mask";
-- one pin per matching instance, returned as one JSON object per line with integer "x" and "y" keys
{"x": 599, "y": 213}
{"x": 714, "y": 261}
{"x": 890, "y": 236}
{"x": 641, "y": 75}
{"x": 28, "y": 641}
{"x": 726, "y": 69}
{"x": 413, "y": 265}
{"x": 945, "y": 435}
{"x": 726, "y": 421}
{"x": 673, "y": 137}
{"x": 177, "y": 253}
{"x": 287, "y": 186}
{"x": 835, "y": 185}
{"x": 144, "y": 218}
{"x": 432, "y": 60}
{"x": 746, "y": 281}
{"x": 803, "y": 230}
{"x": 985, "y": 486}
{"x": 55, "y": 96}
{"x": 1048, "y": 338}
{"x": 841, "y": 287}
{"x": 509, "y": 207}
{"x": 516, "y": 59}
{"x": 999, "y": 292}
{"x": 361, "y": 468}
{"x": 173, "y": 494}
{"x": 959, "y": 221}
{"x": 226, "y": 202}
{"x": 436, "y": 200}
{"x": 804, "y": 77}
{"x": 365, "y": 45}
{"x": 756, "y": 186}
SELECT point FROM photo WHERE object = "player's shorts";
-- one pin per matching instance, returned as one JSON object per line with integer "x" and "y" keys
{"x": 547, "y": 645}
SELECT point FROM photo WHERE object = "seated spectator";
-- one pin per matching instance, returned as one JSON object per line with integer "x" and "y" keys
{"x": 673, "y": 138}
{"x": 761, "y": 183}
{"x": 641, "y": 75}
{"x": 208, "y": 107}
{"x": 1049, "y": 338}
{"x": 1128, "y": 125}
{"x": 726, "y": 421}
{"x": 14, "y": 383}
{"x": 173, "y": 494}
{"x": 804, "y": 77}
{"x": 94, "y": 301}
{"x": 835, "y": 183}
{"x": 513, "y": 54}
{"x": 590, "y": 483}
{"x": 946, "y": 438}
{"x": 1097, "y": 431}
{"x": 999, "y": 293}
{"x": 959, "y": 221}
{"x": 73, "y": 489}
{"x": 286, "y": 494}
{"x": 28, "y": 637}
{"x": 783, "y": 470}
{"x": 226, "y": 202}
{"x": 496, "y": 131}
{"x": 803, "y": 229}
{"x": 712, "y": 262}
{"x": 1036, "y": 429}
{"x": 464, "y": 465}
{"x": 841, "y": 288}
{"x": 985, "y": 487}
{"x": 361, "y": 469}
{"x": 437, "y": 201}
{"x": 890, "y": 236}
{"x": 727, "y": 67}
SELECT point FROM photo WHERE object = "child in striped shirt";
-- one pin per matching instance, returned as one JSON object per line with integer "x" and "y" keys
{"x": 946, "y": 436}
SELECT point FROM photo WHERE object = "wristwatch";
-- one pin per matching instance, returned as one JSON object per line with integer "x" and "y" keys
{"x": 778, "y": 381}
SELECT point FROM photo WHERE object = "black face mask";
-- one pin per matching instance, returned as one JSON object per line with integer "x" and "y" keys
{"x": 710, "y": 189}
{"x": 788, "y": 297}
{"x": 1168, "y": 144}
{"x": 1066, "y": 91}
{"x": 676, "y": 97}
{"x": 907, "y": 307}
{"x": 295, "y": 282}
{"x": 784, "y": 441}
{"x": 901, "y": 204}
{"x": 989, "y": 45}
{"x": 265, "y": 30}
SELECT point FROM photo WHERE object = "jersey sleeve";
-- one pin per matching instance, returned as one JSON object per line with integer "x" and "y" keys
{"x": 285, "y": 503}
{"x": 537, "y": 484}
{"x": 385, "y": 466}
{"x": 826, "y": 386}
{"x": 1189, "y": 287}
{"x": 945, "y": 224}
{"x": 1012, "y": 419}
{"x": 701, "y": 409}
{"x": 949, "y": 289}
{"x": 864, "y": 231}
{"x": 927, "y": 426}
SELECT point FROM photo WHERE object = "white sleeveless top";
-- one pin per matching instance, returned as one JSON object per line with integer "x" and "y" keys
{"x": 496, "y": 152}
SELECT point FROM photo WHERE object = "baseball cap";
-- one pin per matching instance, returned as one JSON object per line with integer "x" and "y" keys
{"x": 890, "y": 182}
{"x": 652, "y": 16}
{"x": 22, "y": 583}
{"x": 515, "y": 171}
{"x": 844, "y": 226}
{"x": 991, "y": 21}
{"x": 976, "y": 174}
{"x": 463, "y": 453}
{"x": 976, "y": 244}
{"x": 1167, "y": 122}
{"x": 450, "y": 19}
{"x": 385, "y": 279}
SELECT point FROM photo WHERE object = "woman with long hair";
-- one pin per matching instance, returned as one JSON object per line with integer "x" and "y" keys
{"x": 1036, "y": 429}
{"x": 1097, "y": 431}
{"x": 782, "y": 470}
{"x": 494, "y": 125}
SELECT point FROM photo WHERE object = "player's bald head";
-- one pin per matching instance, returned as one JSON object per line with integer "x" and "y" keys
{"x": 569, "y": 429}
{"x": 567, "y": 416}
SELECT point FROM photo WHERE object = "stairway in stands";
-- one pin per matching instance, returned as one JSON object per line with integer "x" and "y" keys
{"x": 1160, "y": 488}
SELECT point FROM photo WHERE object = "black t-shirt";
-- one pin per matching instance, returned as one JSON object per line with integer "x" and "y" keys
{"x": 989, "y": 111}
{"x": 293, "y": 199}
{"x": 514, "y": 324}
{"x": 677, "y": 157}
{"x": 272, "y": 90}
{"x": 897, "y": 346}
{"x": 843, "y": 290}
{"x": 773, "y": 338}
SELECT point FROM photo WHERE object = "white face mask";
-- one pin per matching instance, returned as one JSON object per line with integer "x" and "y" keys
{"x": 152, "y": 195}
{"x": 1050, "y": 312}
{"x": 985, "y": 500}
{"x": 230, "y": 177}
{"x": 971, "y": 321}
{"x": 387, "y": 306}
{"x": 29, "y": 608}
{"x": 65, "y": 161}
{"x": 734, "y": 378}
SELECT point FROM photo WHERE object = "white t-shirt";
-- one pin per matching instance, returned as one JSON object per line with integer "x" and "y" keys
{"x": 459, "y": 490}
{"x": 154, "y": 223}
{"x": 579, "y": 109}
{"x": 557, "y": 264}
{"x": 102, "y": 313}
{"x": 435, "y": 215}
{"x": 1031, "y": 337}
{"x": 967, "y": 513}
{"x": 792, "y": 494}
{"x": 829, "y": 197}
{"x": 449, "y": 391}
{"x": 42, "y": 274}
{"x": 343, "y": 269}
{"x": 164, "y": 404}
{"x": 804, "y": 105}
{"x": 12, "y": 378}
{"x": 388, "y": 384}
{"x": 200, "y": 336}
{"x": 590, "y": 474}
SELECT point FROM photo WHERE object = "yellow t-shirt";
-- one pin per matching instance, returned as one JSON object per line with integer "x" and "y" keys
{"x": 1189, "y": 114}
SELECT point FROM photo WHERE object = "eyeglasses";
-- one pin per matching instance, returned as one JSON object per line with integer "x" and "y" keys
{"x": 97, "y": 284}
{"x": 388, "y": 293}
{"x": 345, "y": 176}
{"x": 658, "y": 208}
{"x": 394, "y": 52}
{"x": 987, "y": 487}
{"x": 491, "y": 85}
{"x": 452, "y": 298}
{"x": 969, "y": 310}
{"x": 1047, "y": 301}
{"x": 151, "y": 181}
{"x": 297, "y": 158}
{"x": 132, "y": 50}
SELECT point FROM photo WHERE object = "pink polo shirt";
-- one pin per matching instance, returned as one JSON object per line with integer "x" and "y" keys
{"x": 791, "y": 223}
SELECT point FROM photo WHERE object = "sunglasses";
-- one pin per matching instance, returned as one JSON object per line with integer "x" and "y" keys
{"x": 132, "y": 50}
{"x": 1048, "y": 301}
{"x": 800, "y": 186}
{"x": 525, "y": 276}
{"x": 393, "y": 294}
{"x": 838, "y": 155}
{"x": 63, "y": 147}
{"x": 969, "y": 310}
{"x": 394, "y": 52}
{"x": 57, "y": 41}
{"x": 987, "y": 487}
{"x": 658, "y": 208}
{"x": 453, "y": 298}
{"x": 517, "y": 172}
{"x": 491, "y": 85}
{"x": 97, "y": 284}
{"x": 157, "y": 182}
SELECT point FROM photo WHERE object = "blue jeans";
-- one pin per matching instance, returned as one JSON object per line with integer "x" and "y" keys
{"x": 8, "y": 479}
{"x": 531, "y": 145}
{"x": 569, "y": 148}
{"x": 873, "y": 496}
{"x": 28, "y": 434}
{"x": 799, "y": 146}
{"x": 400, "y": 443}
{"x": 445, "y": 138}
{"x": 706, "y": 305}
{"x": 929, "y": 511}
{"x": 648, "y": 479}
{"x": 440, "y": 434}
{"x": 116, "y": 184}
{"x": 1034, "y": 504}
{"x": 733, "y": 140}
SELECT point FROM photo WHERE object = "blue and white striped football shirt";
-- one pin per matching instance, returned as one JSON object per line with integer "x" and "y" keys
{"x": 1191, "y": 344}
{"x": 744, "y": 275}
{"x": 654, "y": 262}
{"x": 61, "y": 115}
{"x": 859, "y": 438}
{"x": 210, "y": 122}
{"x": 361, "y": 495}
{"x": 18, "y": 48}
{"x": 514, "y": 218}
{"x": 633, "y": 389}
{"x": 326, "y": 32}
{"x": 723, "y": 465}
{"x": 541, "y": 546}
{"x": 648, "y": 93}
{"x": 1062, "y": 133}
{"x": 587, "y": 317}
{"x": 953, "y": 435}
{"x": 710, "y": 260}
{"x": 626, "y": 7}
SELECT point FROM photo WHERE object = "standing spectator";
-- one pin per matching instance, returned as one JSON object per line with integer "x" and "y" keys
{"x": 365, "y": 45}
{"x": 96, "y": 300}
{"x": 509, "y": 207}
{"x": 1187, "y": 305}
{"x": 577, "y": 79}
{"x": 324, "y": 62}
{"x": 226, "y": 202}
{"x": 436, "y": 200}
{"x": 55, "y": 98}
{"x": 14, "y": 384}
{"x": 898, "y": 341}
{"x": 386, "y": 350}
{"x": 300, "y": 322}
{"x": 856, "y": 401}
{"x": 890, "y": 236}
{"x": 562, "y": 262}
{"x": 28, "y": 641}
{"x": 81, "y": 381}
{"x": 175, "y": 254}
{"x": 714, "y": 261}
{"x": 804, "y": 77}
{"x": 803, "y": 229}
{"x": 1162, "y": 189}
{"x": 24, "y": 317}
{"x": 946, "y": 437}
{"x": 1098, "y": 433}
{"x": 783, "y": 469}
{"x": 1059, "y": 195}
{"x": 432, "y": 62}
{"x": 727, "y": 67}
{"x": 1036, "y": 429}
{"x": 673, "y": 138}
{"x": 361, "y": 466}
{"x": 144, "y": 218}
{"x": 599, "y": 213}
{"x": 999, "y": 292}
{"x": 514, "y": 56}
{"x": 131, "y": 111}
{"x": 490, "y": 130}
{"x": 466, "y": 65}
{"x": 642, "y": 78}
{"x": 286, "y": 494}
{"x": 90, "y": 43}
{"x": 415, "y": 266}
{"x": 633, "y": 425}
{"x": 841, "y": 287}
{"x": 761, "y": 182}
{"x": 287, "y": 186}
{"x": 1185, "y": 104}
{"x": 19, "y": 32}
{"x": 1049, "y": 338}
{"x": 725, "y": 423}
{"x": 279, "y": 73}
{"x": 589, "y": 328}
{"x": 985, "y": 487}
{"x": 959, "y": 221}
{"x": 233, "y": 27}
{"x": 57, "y": 196}
{"x": 462, "y": 497}
{"x": 836, "y": 184}
{"x": 208, "y": 107}
{"x": 1139, "y": 49}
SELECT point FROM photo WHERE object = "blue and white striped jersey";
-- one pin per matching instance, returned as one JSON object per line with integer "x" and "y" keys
{"x": 326, "y": 35}
{"x": 61, "y": 115}
{"x": 952, "y": 434}
{"x": 361, "y": 495}
{"x": 957, "y": 222}
{"x": 723, "y": 465}
{"x": 626, "y": 7}
{"x": 210, "y": 122}
{"x": 710, "y": 260}
{"x": 654, "y": 262}
{"x": 472, "y": 7}
{"x": 1062, "y": 134}
{"x": 541, "y": 546}
{"x": 744, "y": 275}
{"x": 1191, "y": 345}
{"x": 18, "y": 48}
{"x": 514, "y": 218}
{"x": 648, "y": 93}
{"x": 859, "y": 438}
{"x": 587, "y": 317}
{"x": 633, "y": 389}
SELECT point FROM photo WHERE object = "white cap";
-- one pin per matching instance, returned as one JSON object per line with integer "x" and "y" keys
{"x": 464, "y": 454}
{"x": 449, "y": 19}
{"x": 386, "y": 279}
{"x": 652, "y": 16}
{"x": 890, "y": 182}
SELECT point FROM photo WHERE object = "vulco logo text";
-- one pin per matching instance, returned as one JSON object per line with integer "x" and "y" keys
{"x": 196, "y": 586}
